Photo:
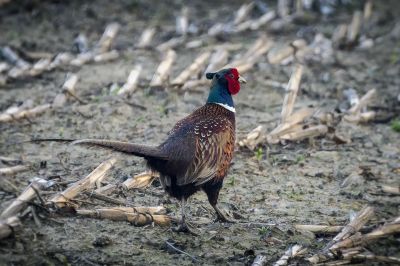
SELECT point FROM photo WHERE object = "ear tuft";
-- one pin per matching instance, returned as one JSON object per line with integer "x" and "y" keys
{"x": 210, "y": 75}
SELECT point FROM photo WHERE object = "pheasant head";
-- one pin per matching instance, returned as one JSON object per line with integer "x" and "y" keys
{"x": 225, "y": 83}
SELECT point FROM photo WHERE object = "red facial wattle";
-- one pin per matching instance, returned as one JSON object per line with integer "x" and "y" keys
{"x": 233, "y": 82}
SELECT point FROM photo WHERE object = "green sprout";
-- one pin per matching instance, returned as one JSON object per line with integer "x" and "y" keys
{"x": 395, "y": 125}
{"x": 231, "y": 181}
{"x": 300, "y": 158}
{"x": 263, "y": 231}
{"x": 259, "y": 153}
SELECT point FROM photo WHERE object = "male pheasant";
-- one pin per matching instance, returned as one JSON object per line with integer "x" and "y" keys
{"x": 197, "y": 153}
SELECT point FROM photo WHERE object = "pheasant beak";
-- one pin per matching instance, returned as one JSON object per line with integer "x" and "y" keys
{"x": 241, "y": 79}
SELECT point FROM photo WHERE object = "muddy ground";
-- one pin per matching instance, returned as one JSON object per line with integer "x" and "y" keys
{"x": 267, "y": 192}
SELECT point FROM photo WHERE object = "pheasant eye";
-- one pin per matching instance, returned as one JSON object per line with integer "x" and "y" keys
{"x": 231, "y": 76}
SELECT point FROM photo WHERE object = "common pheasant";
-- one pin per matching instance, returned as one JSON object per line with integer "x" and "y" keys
{"x": 197, "y": 153}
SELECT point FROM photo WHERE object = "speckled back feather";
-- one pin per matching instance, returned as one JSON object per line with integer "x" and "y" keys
{"x": 200, "y": 147}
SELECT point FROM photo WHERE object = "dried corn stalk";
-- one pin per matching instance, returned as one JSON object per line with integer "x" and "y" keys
{"x": 60, "y": 59}
{"x": 146, "y": 38}
{"x": 68, "y": 90}
{"x": 355, "y": 225}
{"x": 64, "y": 198}
{"x": 21, "y": 67}
{"x": 150, "y": 210}
{"x": 243, "y": 12}
{"x": 194, "y": 44}
{"x": 252, "y": 55}
{"x": 107, "y": 38}
{"x": 354, "y": 28}
{"x": 163, "y": 70}
{"x": 141, "y": 180}
{"x": 286, "y": 53}
{"x": 390, "y": 189}
{"x": 26, "y": 196}
{"x": 107, "y": 189}
{"x": 5, "y": 117}
{"x": 291, "y": 126}
{"x": 276, "y": 57}
{"x": 182, "y": 22}
{"x": 82, "y": 59}
{"x": 260, "y": 260}
{"x": 8, "y": 226}
{"x": 319, "y": 229}
{"x": 193, "y": 70}
{"x": 357, "y": 113}
{"x": 362, "y": 217}
{"x": 218, "y": 29}
{"x": 254, "y": 138}
{"x": 70, "y": 83}
{"x": 190, "y": 85}
{"x": 14, "y": 170}
{"x": 39, "y": 67}
{"x": 339, "y": 35}
{"x": 303, "y": 133}
{"x": 14, "y": 59}
{"x": 292, "y": 121}
{"x": 367, "y": 10}
{"x": 359, "y": 239}
{"x": 218, "y": 59}
{"x": 171, "y": 44}
{"x": 283, "y": 8}
{"x": 106, "y": 56}
{"x": 4, "y": 67}
{"x": 3, "y": 80}
{"x": 255, "y": 24}
{"x": 294, "y": 251}
{"x": 291, "y": 94}
{"x": 131, "y": 83}
{"x": 132, "y": 215}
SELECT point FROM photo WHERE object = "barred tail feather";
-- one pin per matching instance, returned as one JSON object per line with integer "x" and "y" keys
{"x": 125, "y": 147}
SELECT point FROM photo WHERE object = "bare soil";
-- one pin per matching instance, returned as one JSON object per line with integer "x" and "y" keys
{"x": 283, "y": 185}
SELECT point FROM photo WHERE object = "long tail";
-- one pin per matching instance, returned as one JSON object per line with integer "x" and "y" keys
{"x": 145, "y": 151}
{"x": 125, "y": 147}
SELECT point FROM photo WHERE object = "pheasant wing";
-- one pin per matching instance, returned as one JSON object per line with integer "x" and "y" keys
{"x": 213, "y": 153}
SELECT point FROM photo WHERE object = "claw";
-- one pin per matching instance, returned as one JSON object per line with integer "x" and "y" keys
{"x": 185, "y": 228}
{"x": 222, "y": 217}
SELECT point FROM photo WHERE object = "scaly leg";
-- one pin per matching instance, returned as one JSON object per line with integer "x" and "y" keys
{"x": 221, "y": 216}
{"x": 183, "y": 225}
{"x": 212, "y": 189}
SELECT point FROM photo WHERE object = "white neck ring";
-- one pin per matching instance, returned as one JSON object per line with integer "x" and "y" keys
{"x": 227, "y": 107}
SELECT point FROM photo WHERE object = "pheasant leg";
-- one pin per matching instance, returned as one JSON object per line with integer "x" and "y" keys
{"x": 221, "y": 216}
{"x": 184, "y": 226}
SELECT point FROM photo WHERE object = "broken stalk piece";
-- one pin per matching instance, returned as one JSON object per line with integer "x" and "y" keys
{"x": 8, "y": 226}
{"x": 63, "y": 199}
{"x": 12, "y": 170}
{"x": 68, "y": 90}
{"x": 161, "y": 75}
{"x": 192, "y": 70}
{"x": 26, "y": 196}
{"x": 141, "y": 180}
{"x": 138, "y": 216}
{"x": 131, "y": 84}
{"x": 291, "y": 252}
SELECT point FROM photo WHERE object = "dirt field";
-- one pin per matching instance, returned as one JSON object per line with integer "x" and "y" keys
{"x": 267, "y": 192}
